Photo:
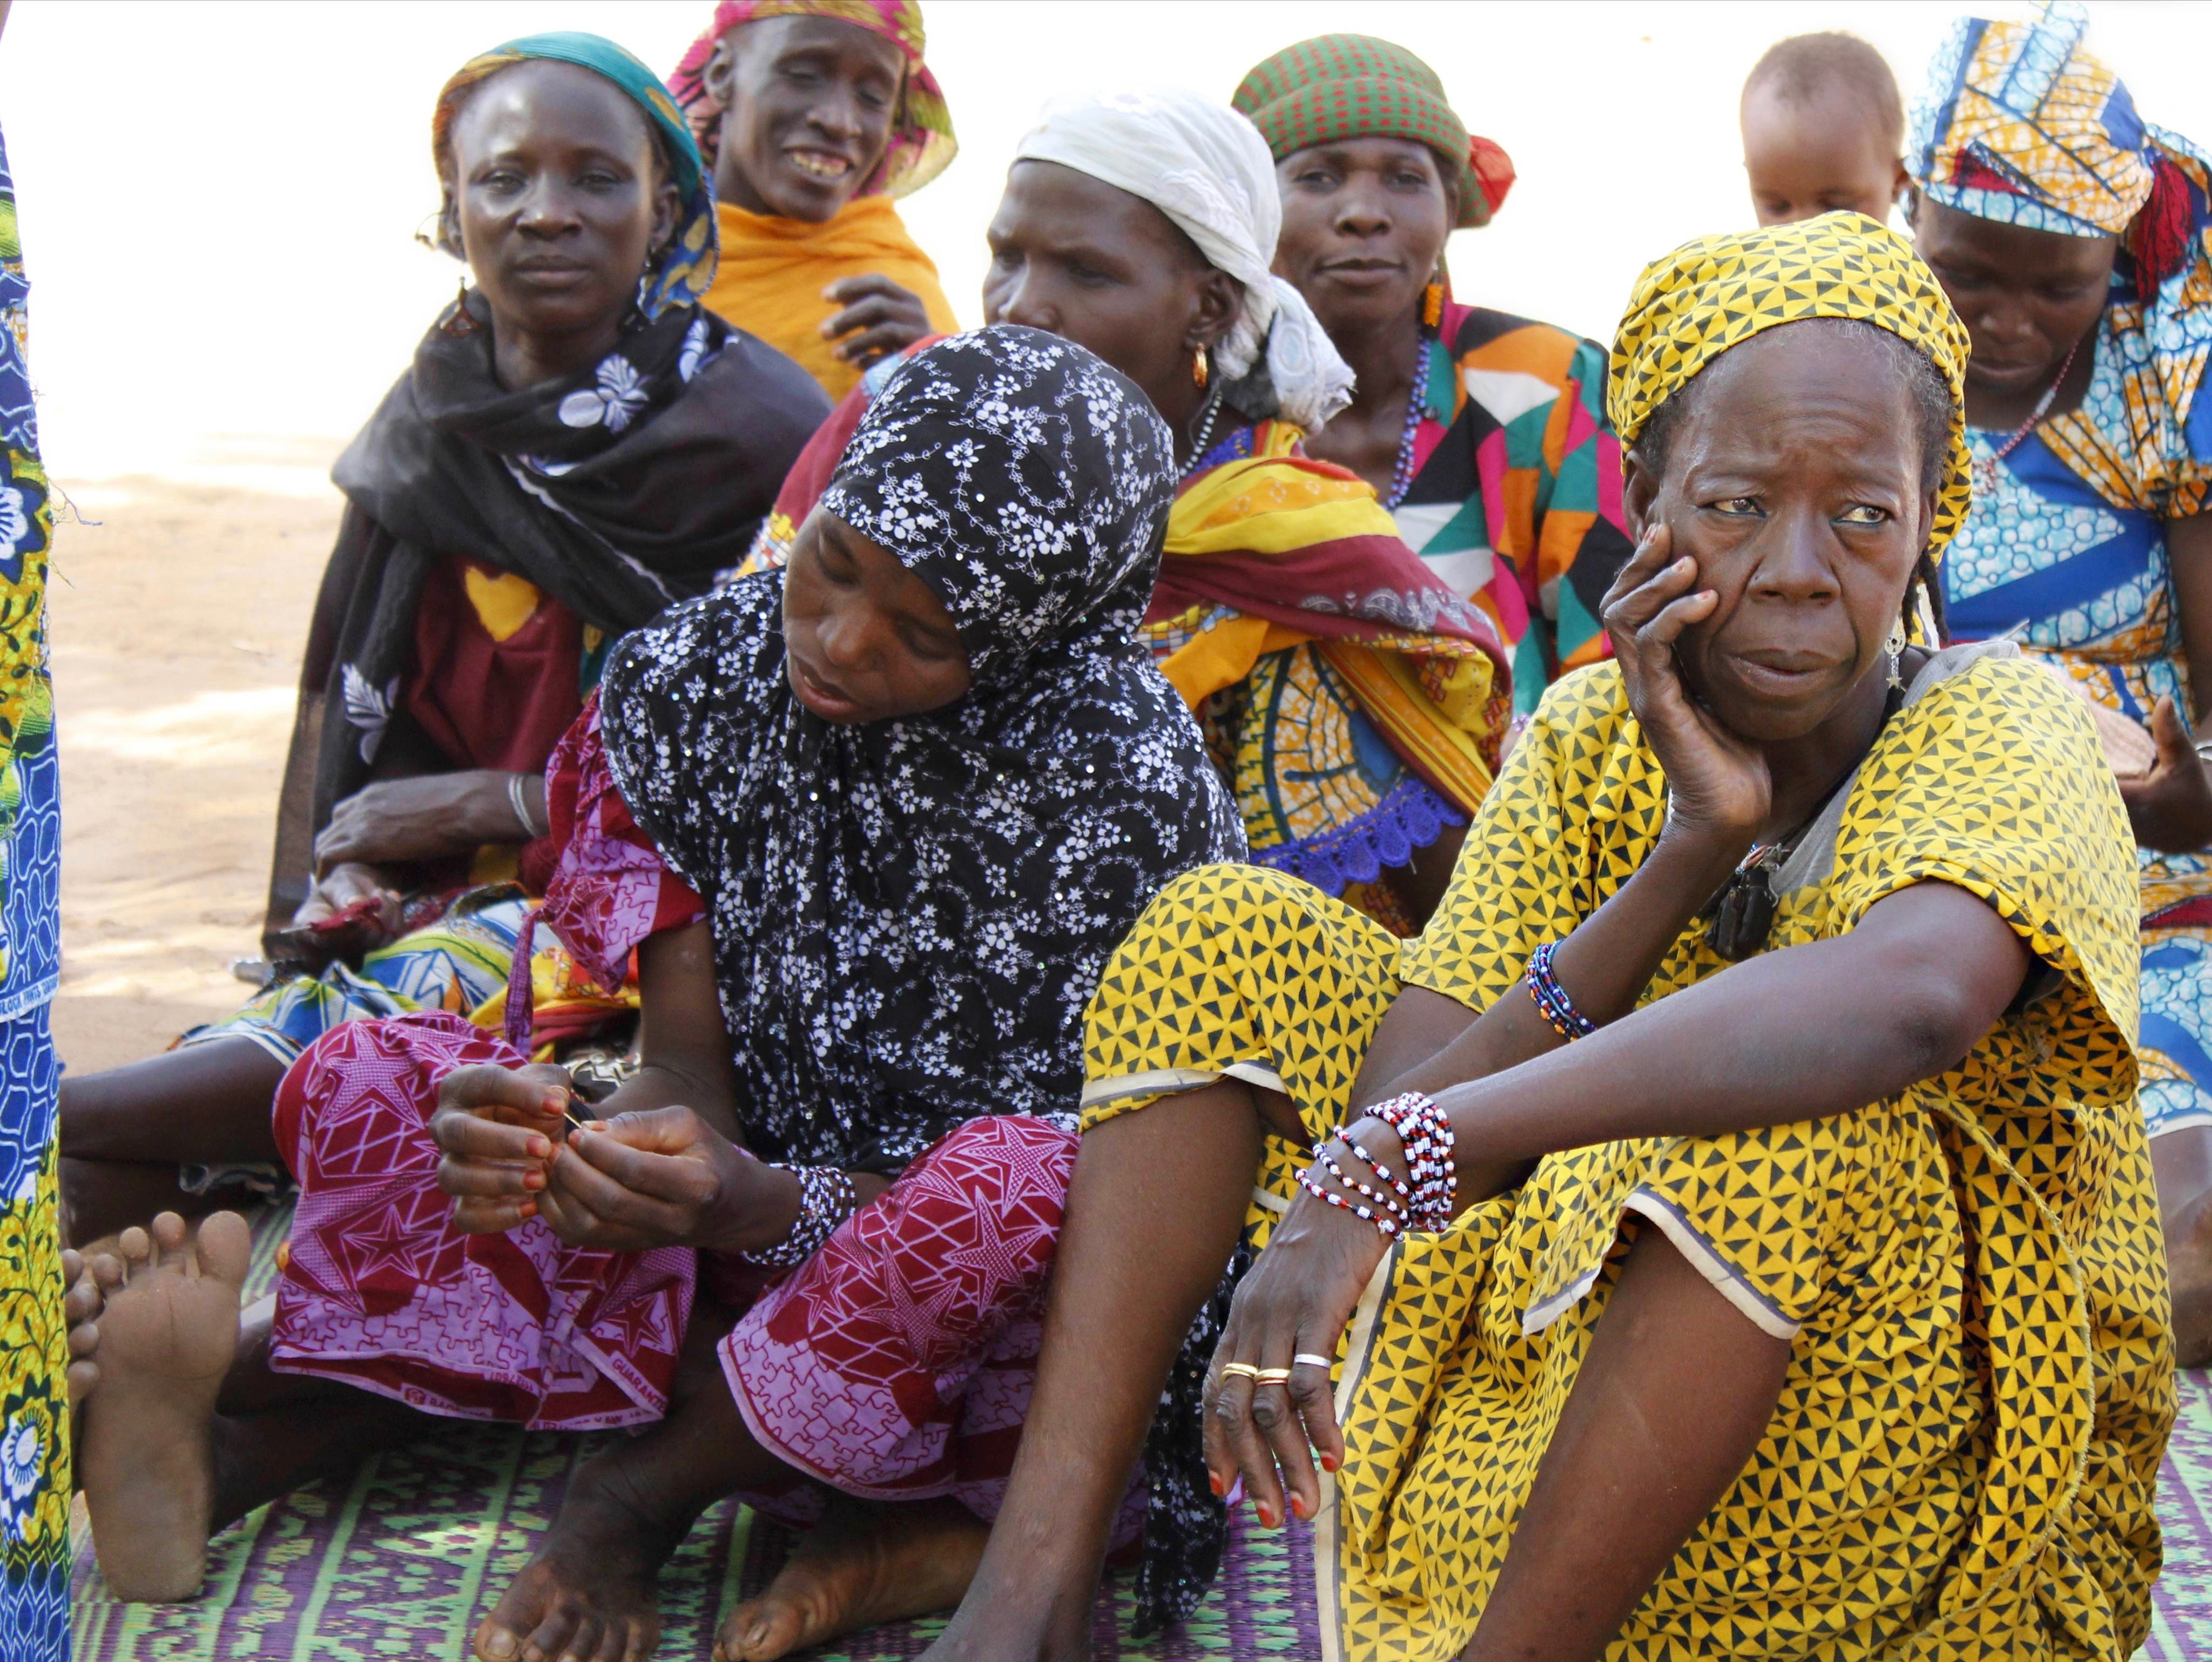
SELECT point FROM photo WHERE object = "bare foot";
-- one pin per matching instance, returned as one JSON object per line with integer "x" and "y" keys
{"x": 867, "y": 1565}
{"x": 589, "y": 1595}
{"x": 165, "y": 1340}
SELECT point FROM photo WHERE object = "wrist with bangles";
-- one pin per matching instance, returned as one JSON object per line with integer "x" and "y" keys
{"x": 827, "y": 1197}
{"x": 518, "y": 798}
{"x": 1425, "y": 1197}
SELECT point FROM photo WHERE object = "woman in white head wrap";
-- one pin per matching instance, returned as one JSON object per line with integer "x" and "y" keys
{"x": 1208, "y": 170}
{"x": 1353, "y": 699}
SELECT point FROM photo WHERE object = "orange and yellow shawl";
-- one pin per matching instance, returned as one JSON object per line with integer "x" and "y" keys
{"x": 1354, "y": 702}
{"x": 773, "y": 272}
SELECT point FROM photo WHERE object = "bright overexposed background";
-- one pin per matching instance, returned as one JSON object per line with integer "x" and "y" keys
{"x": 219, "y": 200}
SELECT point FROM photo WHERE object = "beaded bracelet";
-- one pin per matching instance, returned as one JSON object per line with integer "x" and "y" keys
{"x": 1427, "y": 1136}
{"x": 1397, "y": 1185}
{"x": 1382, "y": 1221}
{"x": 1321, "y": 1153}
{"x": 826, "y": 1198}
{"x": 1552, "y": 1000}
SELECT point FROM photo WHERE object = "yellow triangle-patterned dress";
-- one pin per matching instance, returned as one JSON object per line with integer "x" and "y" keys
{"x": 1962, "y": 1460}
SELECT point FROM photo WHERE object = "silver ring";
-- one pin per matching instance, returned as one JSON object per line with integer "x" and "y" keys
{"x": 1307, "y": 1359}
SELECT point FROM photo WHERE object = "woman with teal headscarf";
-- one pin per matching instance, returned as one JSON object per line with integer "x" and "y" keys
{"x": 577, "y": 445}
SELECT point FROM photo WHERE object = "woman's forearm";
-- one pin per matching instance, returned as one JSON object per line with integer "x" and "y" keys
{"x": 1605, "y": 964}
{"x": 1795, "y": 1034}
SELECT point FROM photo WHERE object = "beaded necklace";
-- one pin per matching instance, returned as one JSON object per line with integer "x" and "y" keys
{"x": 1417, "y": 405}
{"x": 1204, "y": 436}
{"x": 1985, "y": 470}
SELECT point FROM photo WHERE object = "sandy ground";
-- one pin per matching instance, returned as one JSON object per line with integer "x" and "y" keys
{"x": 177, "y": 625}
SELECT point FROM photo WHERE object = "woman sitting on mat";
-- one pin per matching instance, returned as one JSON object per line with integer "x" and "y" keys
{"x": 2071, "y": 235}
{"x": 1484, "y": 432}
{"x": 1728, "y": 1230}
{"x": 814, "y": 116}
{"x": 577, "y": 446}
{"x": 872, "y": 826}
{"x": 1352, "y": 701}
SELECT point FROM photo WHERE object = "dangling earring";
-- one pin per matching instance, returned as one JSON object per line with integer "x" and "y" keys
{"x": 1896, "y": 647}
{"x": 1433, "y": 303}
{"x": 459, "y": 323}
{"x": 1200, "y": 370}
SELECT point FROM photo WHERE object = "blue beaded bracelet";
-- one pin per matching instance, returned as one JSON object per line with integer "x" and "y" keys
{"x": 1552, "y": 1000}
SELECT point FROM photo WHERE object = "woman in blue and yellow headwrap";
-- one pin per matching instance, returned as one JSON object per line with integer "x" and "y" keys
{"x": 2071, "y": 236}
{"x": 1794, "y": 1290}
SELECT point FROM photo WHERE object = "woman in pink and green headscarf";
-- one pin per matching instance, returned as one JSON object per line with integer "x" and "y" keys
{"x": 813, "y": 116}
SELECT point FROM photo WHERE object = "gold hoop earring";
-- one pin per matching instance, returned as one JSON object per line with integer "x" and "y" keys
{"x": 1201, "y": 371}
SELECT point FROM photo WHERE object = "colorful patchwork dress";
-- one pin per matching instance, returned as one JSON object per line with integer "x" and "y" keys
{"x": 34, "y": 1451}
{"x": 1516, "y": 498}
{"x": 1962, "y": 1460}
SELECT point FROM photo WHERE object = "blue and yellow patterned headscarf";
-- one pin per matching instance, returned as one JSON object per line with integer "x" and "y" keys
{"x": 686, "y": 270}
{"x": 2019, "y": 122}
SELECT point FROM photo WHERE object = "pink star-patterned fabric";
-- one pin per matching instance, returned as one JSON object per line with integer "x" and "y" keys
{"x": 380, "y": 1290}
{"x": 897, "y": 1363}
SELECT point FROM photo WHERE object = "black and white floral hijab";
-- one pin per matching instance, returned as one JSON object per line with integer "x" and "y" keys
{"x": 909, "y": 917}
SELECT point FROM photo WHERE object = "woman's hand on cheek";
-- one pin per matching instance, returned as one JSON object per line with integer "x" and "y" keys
{"x": 2171, "y": 807}
{"x": 1717, "y": 785}
{"x": 664, "y": 1178}
{"x": 1296, "y": 1301}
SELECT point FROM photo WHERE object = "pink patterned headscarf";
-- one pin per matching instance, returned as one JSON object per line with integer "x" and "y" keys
{"x": 921, "y": 134}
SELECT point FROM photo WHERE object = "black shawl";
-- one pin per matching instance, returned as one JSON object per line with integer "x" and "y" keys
{"x": 618, "y": 491}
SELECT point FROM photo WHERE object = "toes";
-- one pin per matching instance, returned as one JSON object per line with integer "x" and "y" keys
{"x": 495, "y": 1644}
{"x": 83, "y": 1341}
{"x": 83, "y": 1301}
{"x": 137, "y": 1247}
{"x": 549, "y": 1638}
{"x": 81, "y": 1378}
{"x": 72, "y": 1266}
{"x": 106, "y": 1273}
{"x": 168, "y": 1235}
{"x": 226, "y": 1247}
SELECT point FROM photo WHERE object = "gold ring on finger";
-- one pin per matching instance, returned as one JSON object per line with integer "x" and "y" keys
{"x": 1241, "y": 1370}
{"x": 1272, "y": 1376}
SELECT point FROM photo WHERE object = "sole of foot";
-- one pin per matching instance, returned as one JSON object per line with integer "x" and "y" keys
{"x": 165, "y": 1336}
{"x": 589, "y": 1593}
{"x": 865, "y": 1565}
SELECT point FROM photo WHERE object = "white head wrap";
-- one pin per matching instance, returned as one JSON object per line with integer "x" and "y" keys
{"x": 1207, "y": 169}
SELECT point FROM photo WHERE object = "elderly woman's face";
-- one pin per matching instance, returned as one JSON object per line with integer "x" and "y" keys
{"x": 1364, "y": 222}
{"x": 1091, "y": 262}
{"x": 1793, "y": 481}
{"x": 559, "y": 197}
{"x": 864, "y": 639}
{"x": 807, "y": 107}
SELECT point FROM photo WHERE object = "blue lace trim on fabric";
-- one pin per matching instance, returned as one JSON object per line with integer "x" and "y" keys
{"x": 1411, "y": 816}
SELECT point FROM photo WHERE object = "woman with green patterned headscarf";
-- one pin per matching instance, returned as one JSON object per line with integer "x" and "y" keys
{"x": 1727, "y": 1231}
{"x": 1485, "y": 434}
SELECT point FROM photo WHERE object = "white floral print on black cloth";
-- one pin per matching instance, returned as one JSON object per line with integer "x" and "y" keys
{"x": 910, "y": 916}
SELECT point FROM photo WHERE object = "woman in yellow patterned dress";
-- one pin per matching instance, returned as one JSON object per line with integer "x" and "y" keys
{"x": 1810, "y": 1301}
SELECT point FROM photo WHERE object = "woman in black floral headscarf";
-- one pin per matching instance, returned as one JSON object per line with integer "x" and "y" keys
{"x": 871, "y": 826}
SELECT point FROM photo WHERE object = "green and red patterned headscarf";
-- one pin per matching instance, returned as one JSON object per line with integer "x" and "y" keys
{"x": 1353, "y": 86}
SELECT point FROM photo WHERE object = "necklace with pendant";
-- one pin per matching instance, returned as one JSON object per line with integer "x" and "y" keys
{"x": 1985, "y": 468}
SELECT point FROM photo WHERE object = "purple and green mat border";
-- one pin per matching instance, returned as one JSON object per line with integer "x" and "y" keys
{"x": 404, "y": 1560}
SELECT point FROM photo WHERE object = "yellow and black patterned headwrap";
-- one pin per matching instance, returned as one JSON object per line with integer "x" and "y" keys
{"x": 1708, "y": 295}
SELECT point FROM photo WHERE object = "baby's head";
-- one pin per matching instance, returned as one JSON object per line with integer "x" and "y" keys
{"x": 1823, "y": 129}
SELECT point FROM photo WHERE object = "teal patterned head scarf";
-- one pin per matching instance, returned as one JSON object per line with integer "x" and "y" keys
{"x": 686, "y": 269}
